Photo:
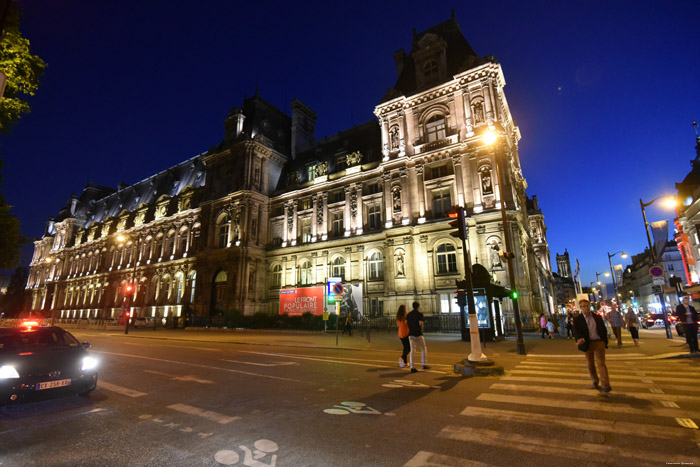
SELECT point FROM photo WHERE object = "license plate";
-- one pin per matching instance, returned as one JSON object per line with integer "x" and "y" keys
{"x": 53, "y": 384}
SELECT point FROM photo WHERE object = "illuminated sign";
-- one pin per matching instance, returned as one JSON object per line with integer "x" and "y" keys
{"x": 296, "y": 302}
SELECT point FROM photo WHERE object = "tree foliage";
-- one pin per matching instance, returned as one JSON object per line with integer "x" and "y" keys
{"x": 16, "y": 299}
{"x": 23, "y": 71}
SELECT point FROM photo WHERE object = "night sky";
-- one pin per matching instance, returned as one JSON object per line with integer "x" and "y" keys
{"x": 605, "y": 94}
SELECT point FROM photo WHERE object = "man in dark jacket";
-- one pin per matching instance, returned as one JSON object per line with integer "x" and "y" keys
{"x": 590, "y": 332}
{"x": 688, "y": 318}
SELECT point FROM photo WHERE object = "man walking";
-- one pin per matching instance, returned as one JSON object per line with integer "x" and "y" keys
{"x": 616, "y": 324}
{"x": 415, "y": 337}
{"x": 591, "y": 336}
{"x": 688, "y": 318}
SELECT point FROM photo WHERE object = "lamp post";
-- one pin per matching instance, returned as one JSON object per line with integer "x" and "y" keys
{"x": 490, "y": 138}
{"x": 671, "y": 202}
{"x": 623, "y": 255}
{"x": 122, "y": 239}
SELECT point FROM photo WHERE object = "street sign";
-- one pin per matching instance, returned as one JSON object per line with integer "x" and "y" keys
{"x": 657, "y": 289}
{"x": 333, "y": 283}
{"x": 338, "y": 289}
{"x": 658, "y": 280}
{"x": 656, "y": 271}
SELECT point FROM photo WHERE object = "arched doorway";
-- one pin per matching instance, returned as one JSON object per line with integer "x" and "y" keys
{"x": 218, "y": 293}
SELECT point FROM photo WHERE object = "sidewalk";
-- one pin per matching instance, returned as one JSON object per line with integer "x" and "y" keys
{"x": 653, "y": 342}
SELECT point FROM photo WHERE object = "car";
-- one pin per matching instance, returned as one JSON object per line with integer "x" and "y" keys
{"x": 141, "y": 322}
{"x": 39, "y": 362}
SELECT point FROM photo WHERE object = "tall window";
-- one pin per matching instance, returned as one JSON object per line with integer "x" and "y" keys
{"x": 166, "y": 287}
{"x": 306, "y": 230}
{"x": 277, "y": 276}
{"x": 220, "y": 289}
{"x": 338, "y": 268}
{"x": 312, "y": 172}
{"x": 446, "y": 259}
{"x": 305, "y": 273}
{"x": 374, "y": 217}
{"x": 430, "y": 68}
{"x": 182, "y": 242}
{"x": 147, "y": 249}
{"x": 376, "y": 266}
{"x": 179, "y": 287}
{"x": 170, "y": 245}
{"x": 192, "y": 279}
{"x": 224, "y": 226}
{"x": 337, "y": 226}
{"x": 442, "y": 203}
{"x": 435, "y": 128}
{"x": 158, "y": 247}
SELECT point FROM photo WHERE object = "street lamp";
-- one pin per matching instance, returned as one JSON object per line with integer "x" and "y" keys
{"x": 490, "y": 137}
{"x": 623, "y": 255}
{"x": 598, "y": 274}
{"x": 669, "y": 202}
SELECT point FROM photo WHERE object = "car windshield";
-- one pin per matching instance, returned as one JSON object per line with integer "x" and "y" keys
{"x": 37, "y": 339}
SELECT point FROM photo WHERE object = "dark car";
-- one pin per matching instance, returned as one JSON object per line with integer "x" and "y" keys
{"x": 43, "y": 362}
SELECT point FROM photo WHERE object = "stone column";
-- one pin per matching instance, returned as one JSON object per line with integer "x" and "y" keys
{"x": 385, "y": 144}
{"x": 324, "y": 209}
{"x": 459, "y": 181}
{"x": 421, "y": 194}
{"x": 486, "y": 90}
{"x": 405, "y": 206}
{"x": 294, "y": 222}
{"x": 386, "y": 178}
{"x": 285, "y": 227}
{"x": 402, "y": 133}
{"x": 359, "y": 222}
{"x": 467, "y": 113}
{"x": 346, "y": 211}
{"x": 314, "y": 217}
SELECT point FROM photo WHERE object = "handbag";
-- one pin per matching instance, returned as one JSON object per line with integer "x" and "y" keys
{"x": 583, "y": 347}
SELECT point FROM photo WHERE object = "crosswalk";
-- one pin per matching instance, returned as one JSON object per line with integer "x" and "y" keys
{"x": 547, "y": 407}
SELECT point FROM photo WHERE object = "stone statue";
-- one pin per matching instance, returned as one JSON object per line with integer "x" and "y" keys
{"x": 397, "y": 199}
{"x": 400, "y": 268}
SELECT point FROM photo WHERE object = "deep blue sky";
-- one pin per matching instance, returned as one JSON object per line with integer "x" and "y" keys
{"x": 604, "y": 94}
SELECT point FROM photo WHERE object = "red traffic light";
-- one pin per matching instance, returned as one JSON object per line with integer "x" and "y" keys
{"x": 129, "y": 289}
{"x": 458, "y": 223}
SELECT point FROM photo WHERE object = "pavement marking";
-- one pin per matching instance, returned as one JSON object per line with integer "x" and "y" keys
{"x": 585, "y": 379}
{"x": 345, "y": 360}
{"x": 430, "y": 459}
{"x": 583, "y": 424}
{"x": 556, "y": 390}
{"x": 687, "y": 423}
{"x": 406, "y": 383}
{"x": 180, "y": 378}
{"x": 581, "y": 369}
{"x": 198, "y": 365}
{"x": 621, "y": 365}
{"x": 669, "y": 404}
{"x": 261, "y": 364}
{"x": 615, "y": 375}
{"x": 656, "y": 390}
{"x": 557, "y": 448}
{"x": 120, "y": 389}
{"x": 584, "y": 405}
{"x": 613, "y": 357}
{"x": 209, "y": 415}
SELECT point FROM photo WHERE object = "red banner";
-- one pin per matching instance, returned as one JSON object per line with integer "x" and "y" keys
{"x": 295, "y": 302}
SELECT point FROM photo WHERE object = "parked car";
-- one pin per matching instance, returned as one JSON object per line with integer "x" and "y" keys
{"x": 43, "y": 362}
{"x": 144, "y": 322}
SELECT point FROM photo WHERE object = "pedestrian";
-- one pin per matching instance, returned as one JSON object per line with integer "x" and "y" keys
{"x": 403, "y": 335}
{"x": 592, "y": 338}
{"x": 543, "y": 325}
{"x": 632, "y": 322}
{"x": 616, "y": 323}
{"x": 415, "y": 337}
{"x": 348, "y": 324}
{"x": 550, "y": 329}
{"x": 686, "y": 314}
{"x": 569, "y": 325}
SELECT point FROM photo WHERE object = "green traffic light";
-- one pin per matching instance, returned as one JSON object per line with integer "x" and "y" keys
{"x": 514, "y": 294}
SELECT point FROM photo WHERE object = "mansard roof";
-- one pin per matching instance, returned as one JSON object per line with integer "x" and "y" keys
{"x": 459, "y": 55}
{"x": 690, "y": 186}
{"x": 365, "y": 138}
{"x": 96, "y": 203}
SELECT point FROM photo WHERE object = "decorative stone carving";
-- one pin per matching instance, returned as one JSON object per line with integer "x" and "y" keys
{"x": 293, "y": 178}
{"x": 400, "y": 262}
{"x": 396, "y": 196}
{"x": 353, "y": 158}
{"x": 394, "y": 137}
{"x": 478, "y": 112}
{"x": 353, "y": 204}
{"x": 321, "y": 169}
{"x": 290, "y": 217}
{"x": 319, "y": 209}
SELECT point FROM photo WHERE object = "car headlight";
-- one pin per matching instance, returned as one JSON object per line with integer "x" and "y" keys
{"x": 7, "y": 371}
{"x": 89, "y": 363}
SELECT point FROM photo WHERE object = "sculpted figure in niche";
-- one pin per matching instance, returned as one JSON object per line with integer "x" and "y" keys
{"x": 394, "y": 137}
{"x": 397, "y": 199}
{"x": 400, "y": 266}
{"x": 493, "y": 254}
{"x": 478, "y": 112}
{"x": 486, "y": 182}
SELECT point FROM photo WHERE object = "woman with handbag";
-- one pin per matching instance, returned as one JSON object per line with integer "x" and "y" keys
{"x": 632, "y": 321}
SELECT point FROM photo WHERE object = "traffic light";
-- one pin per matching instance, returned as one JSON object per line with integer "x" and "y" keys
{"x": 505, "y": 255}
{"x": 458, "y": 223}
{"x": 129, "y": 289}
{"x": 461, "y": 298}
{"x": 513, "y": 294}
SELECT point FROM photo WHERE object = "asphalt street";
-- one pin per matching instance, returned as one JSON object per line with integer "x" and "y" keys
{"x": 212, "y": 398}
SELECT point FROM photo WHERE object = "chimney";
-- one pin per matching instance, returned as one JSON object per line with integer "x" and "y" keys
{"x": 400, "y": 59}
{"x": 234, "y": 124}
{"x": 303, "y": 126}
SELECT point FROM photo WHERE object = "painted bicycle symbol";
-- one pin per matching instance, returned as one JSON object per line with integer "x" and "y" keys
{"x": 346, "y": 408}
{"x": 252, "y": 458}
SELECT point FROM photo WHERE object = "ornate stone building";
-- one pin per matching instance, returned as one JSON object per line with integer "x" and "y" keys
{"x": 271, "y": 208}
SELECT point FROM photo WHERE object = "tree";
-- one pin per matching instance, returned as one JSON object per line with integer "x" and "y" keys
{"x": 23, "y": 71}
{"x": 16, "y": 298}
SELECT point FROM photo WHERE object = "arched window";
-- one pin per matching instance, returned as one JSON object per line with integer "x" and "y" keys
{"x": 435, "y": 128}
{"x": 220, "y": 290}
{"x": 223, "y": 231}
{"x": 374, "y": 217}
{"x": 179, "y": 287}
{"x": 192, "y": 280}
{"x": 170, "y": 245}
{"x": 446, "y": 259}
{"x": 376, "y": 266}
{"x": 277, "y": 276}
{"x": 338, "y": 267}
{"x": 155, "y": 288}
{"x": 166, "y": 288}
{"x": 430, "y": 68}
{"x": 182, "y": 242}
{"x": 305, "y": 272}
{"x": 158, "y": 247}
{"x": 148, "y": 249}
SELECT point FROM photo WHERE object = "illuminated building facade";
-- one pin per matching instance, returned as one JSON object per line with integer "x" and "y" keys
{"x": 271, "y": 207}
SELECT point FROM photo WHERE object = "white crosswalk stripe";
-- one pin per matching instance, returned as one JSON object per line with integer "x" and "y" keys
{"x": 549, "y": 408}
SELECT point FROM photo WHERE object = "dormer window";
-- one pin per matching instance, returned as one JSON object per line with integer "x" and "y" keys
{"x": 435, "y": 128}
{"x": 312, "y": 172}
{"x": 430, "y": 69}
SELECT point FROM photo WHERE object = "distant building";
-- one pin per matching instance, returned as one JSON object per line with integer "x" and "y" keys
{"x": 564, "y": 265}
{"x": 687, "y": 232}
{"x": 271, "y": 208}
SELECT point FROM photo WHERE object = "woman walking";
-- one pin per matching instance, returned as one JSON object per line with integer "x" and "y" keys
{"x": 403, "y": 335}
{"x": 543, "y": 325}
{"x": 632, "y": 321}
